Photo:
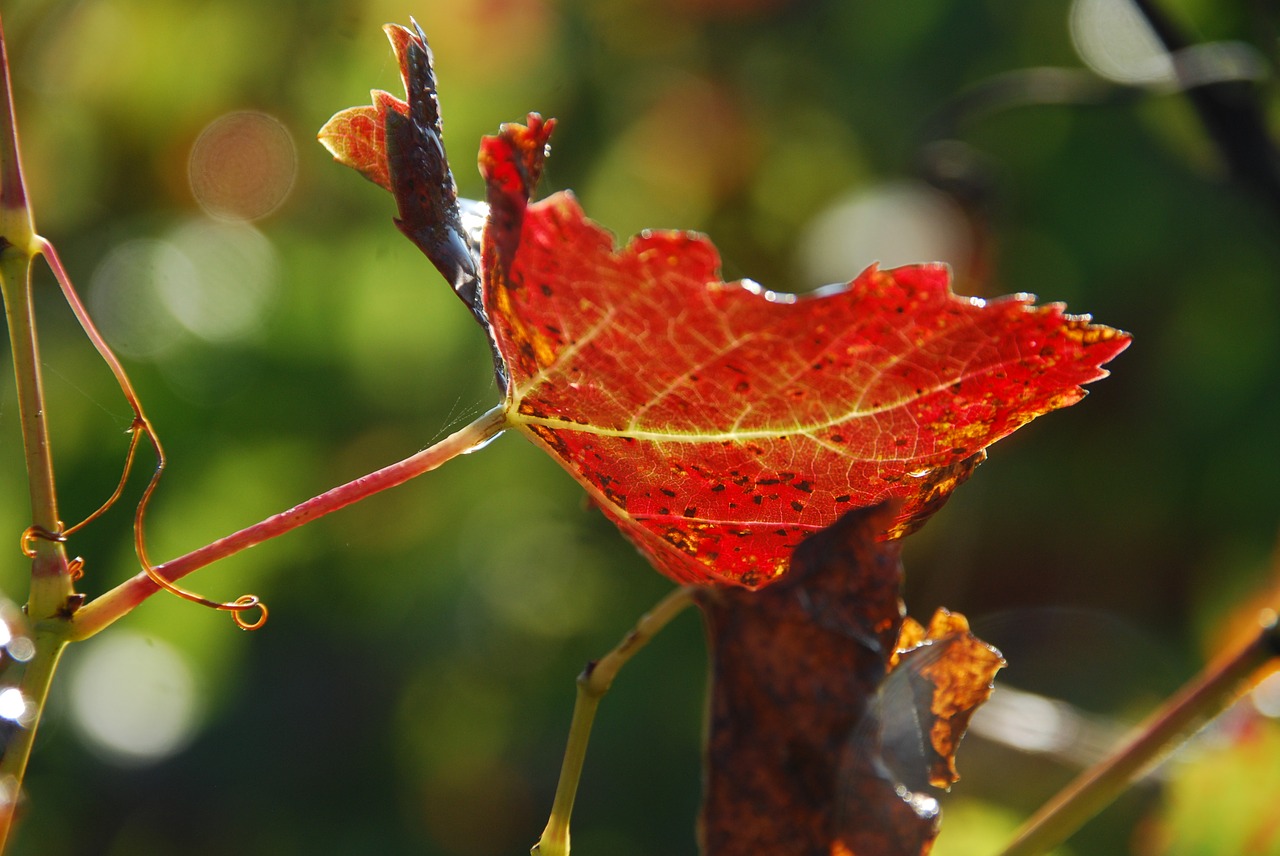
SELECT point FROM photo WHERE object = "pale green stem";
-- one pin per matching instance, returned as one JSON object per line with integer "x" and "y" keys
{"x": 1099, "y": 786}
{"x": 50, "y": 581}
{"x": 593, "y": 683}
{"x": 51, "y": 595}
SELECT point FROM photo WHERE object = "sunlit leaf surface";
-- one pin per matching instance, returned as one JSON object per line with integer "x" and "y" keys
{"x": 719, "y": 424}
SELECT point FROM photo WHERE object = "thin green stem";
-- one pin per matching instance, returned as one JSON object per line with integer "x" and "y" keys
{"x": 50, "y": 582}
{"x": 105, "y": 610}
{"x": 1099, "y": 786}
{"x": 593, "y": 683}
{"x": 51, "y": 597}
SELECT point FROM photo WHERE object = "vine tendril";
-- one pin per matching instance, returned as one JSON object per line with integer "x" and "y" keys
{"x": 141, "y": 427}
{"x": 27, "y": 541}
{"x": 124, "y": 478}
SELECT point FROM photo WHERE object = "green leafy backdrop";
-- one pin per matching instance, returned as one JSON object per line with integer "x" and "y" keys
{"x": 411, "y": 691}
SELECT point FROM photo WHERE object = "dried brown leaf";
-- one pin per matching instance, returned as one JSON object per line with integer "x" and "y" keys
{"x": 794, "y": 763}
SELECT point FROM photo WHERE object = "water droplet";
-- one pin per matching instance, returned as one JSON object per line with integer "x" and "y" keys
{"x": 922, "y": 804}
{"x": 13, "y": 706}
{"x": 15, "y": 638}
{"x": 482, "y": 444}
{"x": 21, "y": 648}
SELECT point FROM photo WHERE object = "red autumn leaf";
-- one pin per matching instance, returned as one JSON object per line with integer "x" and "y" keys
{"x": 795, "y": 757}
{"x": 719, "y": 424}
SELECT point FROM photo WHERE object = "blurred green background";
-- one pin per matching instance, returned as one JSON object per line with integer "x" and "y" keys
{"x": 412, "y": 689}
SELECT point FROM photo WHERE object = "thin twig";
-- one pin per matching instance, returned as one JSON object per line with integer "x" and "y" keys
{"x": 103, "y": 611}
{"x": 1098, "y": 786}
{"x": 52, "y": 592}
{"x": 141, "y": 427}
{"x": 50, "y": 580}
{"x": 593, "y": 683}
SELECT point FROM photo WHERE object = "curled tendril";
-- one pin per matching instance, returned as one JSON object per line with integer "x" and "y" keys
{"x": 242, "y": 605}
{"x": 140, "y": 427}
{"x": 27, "y": 541}
{"x": 75, "y": 567}
{"x": 136, "y": 430}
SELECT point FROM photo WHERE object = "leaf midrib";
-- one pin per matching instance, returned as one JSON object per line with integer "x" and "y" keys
{"x": 739, "y": 435}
